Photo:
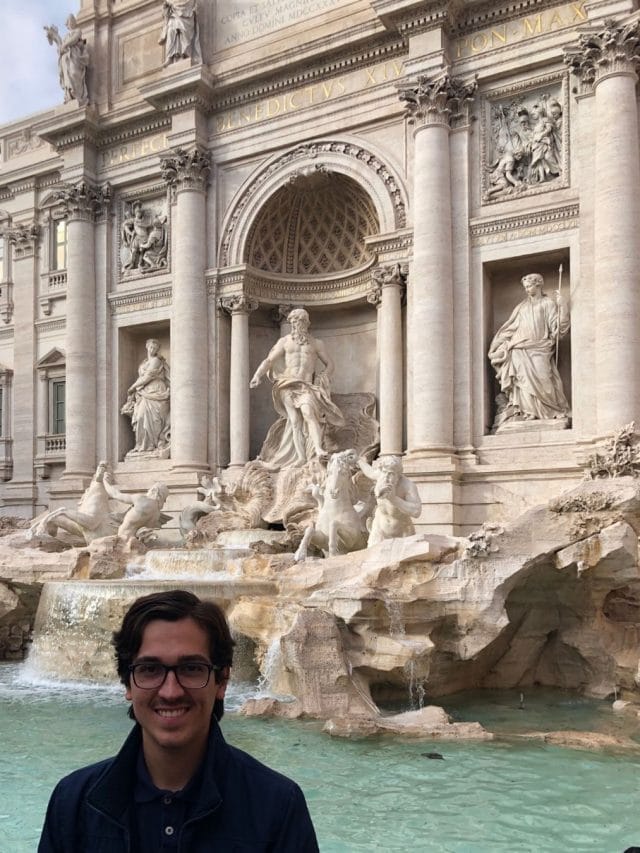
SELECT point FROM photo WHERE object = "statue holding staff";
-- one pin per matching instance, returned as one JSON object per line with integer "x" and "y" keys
{"x": 522, "y": 353}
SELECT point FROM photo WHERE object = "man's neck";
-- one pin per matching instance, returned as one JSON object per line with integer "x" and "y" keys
{"x": 171, "y": 770}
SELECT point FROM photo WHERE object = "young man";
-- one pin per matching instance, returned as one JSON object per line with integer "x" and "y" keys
{"x": 176, "y": 785}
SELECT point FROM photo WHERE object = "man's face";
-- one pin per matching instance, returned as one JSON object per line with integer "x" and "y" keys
{"x": 174, "y": 719}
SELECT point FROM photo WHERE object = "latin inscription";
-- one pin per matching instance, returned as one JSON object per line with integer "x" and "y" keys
{"x": 513, "y": 32}
{"x": 242, "y": 20}
{"x": 309, "y": 96}
{"x": 134, "y": 150}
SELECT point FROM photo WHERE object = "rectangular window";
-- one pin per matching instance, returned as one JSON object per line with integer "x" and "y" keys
{"x": 59, "y": 245}
{"x": 1, "y": 409}
{"x": 57, "y": 407}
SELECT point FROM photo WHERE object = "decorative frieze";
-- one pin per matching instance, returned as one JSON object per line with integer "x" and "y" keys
{"x": 140, "y": 300}
{"x": 186, "y": 170}
{"x": 144, "y": 238}
{"x": 612, "y": 49}
{"x": 440, "y": 99}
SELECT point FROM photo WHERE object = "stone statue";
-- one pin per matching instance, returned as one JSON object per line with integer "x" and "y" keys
{"x": 144, "y": 245}
{"x": 92, "y": 518}
{"x": 180, "y": 32}
{"x": 211, "y": 490}
{"x": 73, "y": 59}
{"x": 397, "y": 499}
{"x": 300, "y": 393}
{"x": 145, "y": 513}
{"x": 148, "y": 404}
{"x": 544, "y": 162}
{"x": 339, "y": 527}
{"x": 524, "y": 354}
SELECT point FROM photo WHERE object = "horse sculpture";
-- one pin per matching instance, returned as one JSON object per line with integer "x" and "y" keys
{"x": 339, "y": 527}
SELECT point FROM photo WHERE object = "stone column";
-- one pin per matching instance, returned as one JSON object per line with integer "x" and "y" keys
{"x": 606, "y": 60}
{"x": 23, "y": 239}
{"x": 239, "y": 433}
{"x": 432, "y": 104}
{"x": 187, "y": 173}
{"x": 387, "y": 292}
{"x": 83, "y": 203}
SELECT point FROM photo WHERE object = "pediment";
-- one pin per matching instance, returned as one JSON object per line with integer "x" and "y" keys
{"x": 54, "y": 358}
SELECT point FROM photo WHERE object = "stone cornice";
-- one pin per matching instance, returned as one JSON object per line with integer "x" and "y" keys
{"x": 83, "y": 201}
{"x": 295, "y": 290}
{"x": 71, "y": 127}
{"x": 504, "y": 228}
{"x": 137, "y": 300}
{"x": 348, "y": 61}
{"x": 174, "y": 91}
{"x": 437, "y": 99}
{"x": 186, "y": 170}
{"x": 410, "y": 17}
{"x": 133, "y": 130}
{"x": 611, "y": 49}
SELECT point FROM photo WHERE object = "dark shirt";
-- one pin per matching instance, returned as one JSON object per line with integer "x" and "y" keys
{"x": 160, "y": 814}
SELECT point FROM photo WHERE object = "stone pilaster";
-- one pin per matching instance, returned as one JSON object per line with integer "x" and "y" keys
{"x": 82, "y": 203}
{"x": 187, "y": 173}
{"x": 605, "y": 61}
{"x": 239, "y": 307}
{"x": 23, "y": 238}
{"x": 386, "y": 292}
{"x": 433, "y": 105}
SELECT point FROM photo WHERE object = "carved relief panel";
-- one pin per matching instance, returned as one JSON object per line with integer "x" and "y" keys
{"x": 143, "y": 234}
{"x": 525, "y": 139}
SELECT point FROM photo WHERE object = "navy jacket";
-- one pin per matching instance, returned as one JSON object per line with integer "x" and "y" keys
{"x": 242, "y": 806}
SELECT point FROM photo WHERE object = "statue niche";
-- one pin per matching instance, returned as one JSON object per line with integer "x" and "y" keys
{"x": 148, "y": 405}
{"x": 524, "y": 354}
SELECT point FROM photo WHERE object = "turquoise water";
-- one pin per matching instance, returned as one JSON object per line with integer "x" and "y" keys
{"x": 379, "y": 794}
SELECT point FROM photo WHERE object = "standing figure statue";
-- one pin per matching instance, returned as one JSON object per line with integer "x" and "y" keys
{"x": 397, "y": 499}
{"x": 180, "y": 32}
{"x": 73, "y": 59}
{"x": 524, "y": 356}
{"x": 300, "y": 393}
{"x": 148, "y": 403}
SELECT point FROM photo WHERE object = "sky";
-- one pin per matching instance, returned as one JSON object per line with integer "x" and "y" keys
{"x": 28, "y": 63}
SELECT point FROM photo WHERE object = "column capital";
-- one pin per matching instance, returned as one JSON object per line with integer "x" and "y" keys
{"x": 613, "y": 49}
{"x": 23, "y": 237}
{"x": 84, "y": 201}
{"x": 386, "y": 275}
{"x": 186, "y": 170}
{"x": 437, "y": 99}
{"x": 237, "y": 304}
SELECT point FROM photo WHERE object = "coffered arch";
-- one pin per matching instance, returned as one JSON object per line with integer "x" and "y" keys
{"x": 368, "y": 194}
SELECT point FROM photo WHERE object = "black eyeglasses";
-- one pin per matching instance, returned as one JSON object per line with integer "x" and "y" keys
{"x": 192, "y": 675}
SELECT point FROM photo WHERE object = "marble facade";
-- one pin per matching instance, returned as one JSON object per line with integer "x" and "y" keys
{"x": 394, "y": 167}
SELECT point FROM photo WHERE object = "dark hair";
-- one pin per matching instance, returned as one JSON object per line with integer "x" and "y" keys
{"x": 172, "y": 606}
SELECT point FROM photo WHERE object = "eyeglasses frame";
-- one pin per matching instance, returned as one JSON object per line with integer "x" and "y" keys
{"x": 211, "y": 667}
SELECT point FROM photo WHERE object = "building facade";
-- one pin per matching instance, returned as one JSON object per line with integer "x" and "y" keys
{"x": 395, "y": 167}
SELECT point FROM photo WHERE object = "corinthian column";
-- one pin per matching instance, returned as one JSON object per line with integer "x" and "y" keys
{"x": 239, "y": 433}
{"x": 432, "y": 104}
{"x": 387, "y": 293}
{"x": 187, "y": 172}
{"x": 606, "y": 61}
{"x": 82, "y": 203}
{"x": 24, "y": 240}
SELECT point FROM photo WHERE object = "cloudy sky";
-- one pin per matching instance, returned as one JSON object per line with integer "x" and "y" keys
{"x": 28, "y": 63}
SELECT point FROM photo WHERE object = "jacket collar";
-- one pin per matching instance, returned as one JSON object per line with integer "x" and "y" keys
{"x": 113, "y": 792}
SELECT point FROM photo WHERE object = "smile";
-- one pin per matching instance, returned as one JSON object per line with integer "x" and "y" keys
{"x": 171, "y": 712}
